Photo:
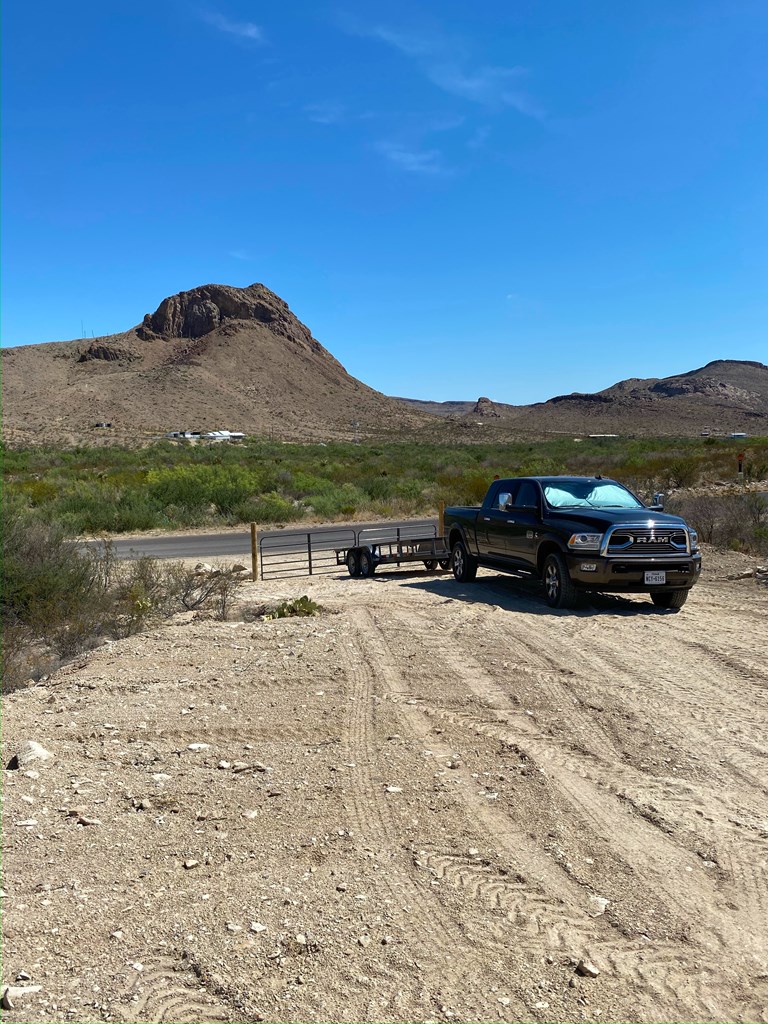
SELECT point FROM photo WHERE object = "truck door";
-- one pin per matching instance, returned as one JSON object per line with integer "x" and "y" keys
{"x": 492, "y": 522}
{"x": 523, "y": 523}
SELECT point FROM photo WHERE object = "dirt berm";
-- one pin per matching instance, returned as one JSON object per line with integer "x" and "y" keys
{"x": 430, "y": 802}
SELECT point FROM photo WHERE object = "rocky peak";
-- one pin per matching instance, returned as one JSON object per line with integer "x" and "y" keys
{"x": 196, "y": 313}
{"x": 485, "y": 407}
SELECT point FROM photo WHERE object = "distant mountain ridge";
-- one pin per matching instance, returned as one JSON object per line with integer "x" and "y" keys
{"x": 726, "y": 394}
{"x": 218, "y": 357}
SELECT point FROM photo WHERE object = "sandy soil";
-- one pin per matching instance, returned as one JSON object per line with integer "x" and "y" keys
{"x": 430, "y": 802}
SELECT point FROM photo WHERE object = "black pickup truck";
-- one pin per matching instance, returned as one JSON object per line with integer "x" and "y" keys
{"x": 576, "y": 534}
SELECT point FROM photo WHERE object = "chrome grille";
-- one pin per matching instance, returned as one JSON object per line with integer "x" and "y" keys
{"x": 643, "y": 540}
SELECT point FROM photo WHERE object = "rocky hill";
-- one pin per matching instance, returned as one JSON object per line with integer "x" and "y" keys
{"x": 219, "y": 357}
{"x": 210, "y": 358}
{"x": 725, "y": 395}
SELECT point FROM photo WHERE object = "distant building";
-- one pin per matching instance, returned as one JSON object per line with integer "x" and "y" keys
{"x": 209, "y": 435}
{"x": 738, "y": 433}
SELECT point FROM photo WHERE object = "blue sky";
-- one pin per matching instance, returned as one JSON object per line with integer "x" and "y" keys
{"x": 509, "y": 198}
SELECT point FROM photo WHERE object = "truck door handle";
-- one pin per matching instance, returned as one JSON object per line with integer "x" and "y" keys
{"x": 486, "y": 519}
{"x": 511, "y": 521}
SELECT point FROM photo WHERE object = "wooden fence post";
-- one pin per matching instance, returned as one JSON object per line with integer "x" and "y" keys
{"x": 441, "y": 519}
{"x": 254, "y": 553}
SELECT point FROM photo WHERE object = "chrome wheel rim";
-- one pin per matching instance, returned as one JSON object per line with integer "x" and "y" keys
{"x": 552, "y": 582}
{"x": 458, "y": 562}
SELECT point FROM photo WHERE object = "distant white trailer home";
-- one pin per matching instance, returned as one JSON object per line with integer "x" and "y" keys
{"x": 208, "y": 435}
{"x": 738, "y": 433}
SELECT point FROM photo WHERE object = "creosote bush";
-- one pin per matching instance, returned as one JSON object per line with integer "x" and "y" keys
{"x": 60, "y": 597}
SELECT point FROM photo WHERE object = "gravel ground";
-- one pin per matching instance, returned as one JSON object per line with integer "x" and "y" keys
{"x": 431, "y": 801}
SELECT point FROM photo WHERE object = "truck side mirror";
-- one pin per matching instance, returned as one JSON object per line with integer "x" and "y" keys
{"x": 658, "y": 502}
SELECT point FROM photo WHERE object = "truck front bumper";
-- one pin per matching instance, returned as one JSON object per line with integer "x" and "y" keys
{"x": 628, "y": 575}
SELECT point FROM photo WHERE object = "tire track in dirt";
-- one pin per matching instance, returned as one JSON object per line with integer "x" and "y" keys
{"x": 607, "y": 820}
{"x": 372, "y": 819}
{"x": 168, "y": 992}
{"x": 742, "y": 843}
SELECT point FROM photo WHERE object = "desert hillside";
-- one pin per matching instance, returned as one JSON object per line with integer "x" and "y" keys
{"x": 723, "y": 396}
{"x": 210, "y": 358}
{"x": 221, "y": 357}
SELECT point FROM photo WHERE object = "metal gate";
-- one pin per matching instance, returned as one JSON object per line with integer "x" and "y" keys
{"x": 284, "y": 554}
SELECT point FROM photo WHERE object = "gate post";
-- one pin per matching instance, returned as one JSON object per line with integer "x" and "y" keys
{"x": 309, "y": 552}
{"x": 254, "y": 554}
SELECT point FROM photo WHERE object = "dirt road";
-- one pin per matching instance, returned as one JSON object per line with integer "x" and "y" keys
{"x": 430, "y": 802}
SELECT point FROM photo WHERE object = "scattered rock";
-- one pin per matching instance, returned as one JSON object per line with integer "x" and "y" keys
{"x": 393, "y": 789}
{"x": 28, "y": 752}
{"x": 23, "y": 976}
{"x": 597, "y": 906}
{"x": 27, "y": 823}
{"x": 504, "y": 1000}
{"x": 364, "y": 940}
{"x": 191, "y": 863}
{"x": 199, "y": 746}
{"x": 258, "y": 927}
{"x": 13, "y": 992}
{"x": 586, "y": 969}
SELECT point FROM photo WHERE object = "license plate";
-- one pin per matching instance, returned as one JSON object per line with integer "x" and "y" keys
{"x": 655, "y": 577}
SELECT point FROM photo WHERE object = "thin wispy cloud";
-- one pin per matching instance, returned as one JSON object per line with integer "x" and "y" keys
{"x": 242, "y": 29}
{"x": 326, "y": 113}
{"x": 239, "y": 254}
{"x": 446, "y": 66}
{"x": 416, "y": 161}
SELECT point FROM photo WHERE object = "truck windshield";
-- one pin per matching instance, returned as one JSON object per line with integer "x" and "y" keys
{"x": 589, "y": 494}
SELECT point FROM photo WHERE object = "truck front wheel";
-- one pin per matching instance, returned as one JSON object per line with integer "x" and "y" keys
{"x": 670, "y": 599}
{"x": 463, "y": 564}
{"x": 558, "y": 586}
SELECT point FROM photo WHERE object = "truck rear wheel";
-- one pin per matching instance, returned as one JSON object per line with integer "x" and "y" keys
{"x": 670, "y": 599}
{"x": 463, "y": 564}
{"x": 558, "y": 586}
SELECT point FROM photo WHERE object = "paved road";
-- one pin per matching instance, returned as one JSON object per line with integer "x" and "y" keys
{"x": 227, "y": 545}
{"x": 199, "y": 545}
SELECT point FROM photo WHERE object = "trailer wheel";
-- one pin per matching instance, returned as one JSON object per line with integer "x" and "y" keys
{"x": 353, "y": 563}
{"x": 444, "y": 563}
{"x": 366, "y": 563}
{"x": 429, "y": 565}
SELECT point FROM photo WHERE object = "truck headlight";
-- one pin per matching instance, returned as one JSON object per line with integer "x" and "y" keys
{"x": 585, "y": 541}
{"x": 694, "y": 540}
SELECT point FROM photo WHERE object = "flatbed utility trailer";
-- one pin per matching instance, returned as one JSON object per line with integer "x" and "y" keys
{"x": 364, "y": 559}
